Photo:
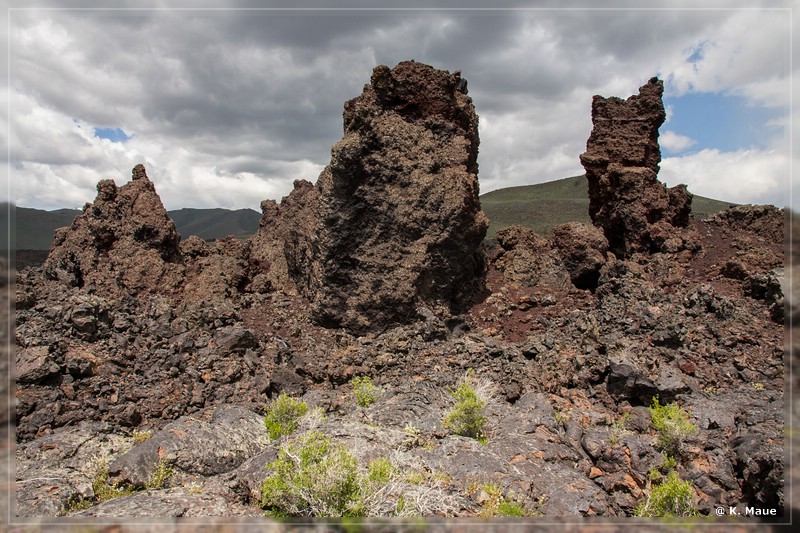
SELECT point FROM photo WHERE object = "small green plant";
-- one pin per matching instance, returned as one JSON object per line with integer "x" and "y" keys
{"x": 411, "y": 430}
{"x": 366, "y": 393}
{"x": 619, "y": 429}
{"x": 672, "y": 498}
{"x": 673, "y": 425}
{"x": 669, "y": 463}
{"x": 312, "y": 476}
{"x": 401, "y": 505}
{"x": 562, "y": 417}
{"x": 283, "y": 414}
{"x": 758, "y": 386}
{"x": 76, "y": 505}
{"x": 160, "y": 476}
{"x": 467, "y": 418}
{"x": 141, "y": 436}
{"x": 495, "y": 504}
{"x": 195, "y": 487}
{"x": 511, "y": 508}
{"x": 415, "y": 477}
{"x": 103, "y": 488}
{"x": 380, "y": 471}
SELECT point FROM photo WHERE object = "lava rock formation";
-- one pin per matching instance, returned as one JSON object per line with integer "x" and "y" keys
{"x": 394, "y": 222}
{"x": 125, "y": 242}
{"x": 636, "y": 211}
{"x": 138, "y": 348}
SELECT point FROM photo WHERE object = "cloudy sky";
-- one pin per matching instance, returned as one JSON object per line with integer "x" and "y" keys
{"x": 227, "y": 105}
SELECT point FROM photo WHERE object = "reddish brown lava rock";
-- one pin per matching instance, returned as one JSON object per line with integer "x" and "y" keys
{"x": 123, "y": 243}
{"x": 394, "y": 222}
{"x": 766, "y": 221}
{"x": 527, "y": 259}
{"x": 636, "y": 212}
{"x": 282, "y": 243}
{"x": 582, "y": 248}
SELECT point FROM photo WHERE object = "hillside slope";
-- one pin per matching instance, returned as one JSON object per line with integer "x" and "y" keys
{"x": 544, "y": 205}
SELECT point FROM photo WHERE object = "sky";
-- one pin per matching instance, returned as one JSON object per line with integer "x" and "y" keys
{"x": 226, "y": 105}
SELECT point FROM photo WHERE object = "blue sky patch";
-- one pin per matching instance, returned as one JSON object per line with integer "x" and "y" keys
{"x": 720, "y": 121}
{"x": 112, "y": 134}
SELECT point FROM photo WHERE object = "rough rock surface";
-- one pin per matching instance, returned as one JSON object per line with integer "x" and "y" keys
{"x": 526, "y": 258}
{"x": 194, "y": 446}
{"x": 583, "y": 250}
{"x": 282, "y": 245}
{"x": 124, "y": 242}
{"x": 215, "y": 271}
{"x": 567, "y": 364}
{"x": 394, "y": 222}
{"x": 636, "y": 211}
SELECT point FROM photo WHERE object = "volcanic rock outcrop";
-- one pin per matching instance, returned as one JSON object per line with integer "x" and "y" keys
{"x": 394, "y": 223}
{"x": 636, "y": 212}
{"x": 123, "y": 243}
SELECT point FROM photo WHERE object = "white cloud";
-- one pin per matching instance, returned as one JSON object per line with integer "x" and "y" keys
{"x": 745, "y": 53}
{"x": 744, "y": 176}
{"x": 674, "y": 142}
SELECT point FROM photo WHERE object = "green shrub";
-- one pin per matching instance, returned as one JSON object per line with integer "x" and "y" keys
{"x": 103, "y": 488}
{"x": 619, "y": 429}
{"x": 498, "y": 505}
{"x": 366, "y": 392}
{"x": 511, "y": 508}
{"x": 283, "y": 414}
{"x": 669, "y": 463}
{"x": 380, "y": 471}
{"x": 673, "y": 425}
{"x": 160, "y": 476}
{"x": 466, "y": 418}
{"x": 312, "y": 476}
{"x": 141, "y": 436}
{"x": 672, "y": 498}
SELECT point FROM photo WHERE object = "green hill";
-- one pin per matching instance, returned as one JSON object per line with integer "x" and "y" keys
{"x": 35, "y": 227}
{"x": 545, "y": 205}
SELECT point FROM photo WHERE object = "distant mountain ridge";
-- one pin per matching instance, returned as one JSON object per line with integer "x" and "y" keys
{"x": 539, "y": 207}
{"x": 34, "y": 228}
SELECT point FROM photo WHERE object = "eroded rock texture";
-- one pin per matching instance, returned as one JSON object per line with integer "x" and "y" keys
{"x": 582, "y": 248}
{"x": 394, "y": 222}
{"x": 636, "y": 212}
{"x": 124, "y": 242}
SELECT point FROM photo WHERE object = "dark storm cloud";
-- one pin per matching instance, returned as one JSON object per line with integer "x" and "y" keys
{"x": 222, "y": 98}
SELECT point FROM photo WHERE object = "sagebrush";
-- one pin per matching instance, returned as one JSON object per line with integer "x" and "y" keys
{"x": 672, "y": 424}
{"x": 283, "y": 415}
{"x": 467, "y": 417}
{"x": 312, "y": 476}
